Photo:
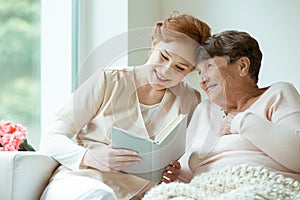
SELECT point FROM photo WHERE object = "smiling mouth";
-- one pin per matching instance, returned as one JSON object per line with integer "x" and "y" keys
{"x": 161, "y": 78}
{"x": 209, "y": 88}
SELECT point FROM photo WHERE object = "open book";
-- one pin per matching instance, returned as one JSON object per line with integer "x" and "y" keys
{"x": 156, "y": 154}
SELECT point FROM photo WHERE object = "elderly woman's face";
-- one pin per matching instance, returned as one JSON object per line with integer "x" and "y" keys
{"x": 217, "y": 79}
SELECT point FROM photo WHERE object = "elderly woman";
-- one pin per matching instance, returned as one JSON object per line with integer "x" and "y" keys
{"x": 244, "y": 142}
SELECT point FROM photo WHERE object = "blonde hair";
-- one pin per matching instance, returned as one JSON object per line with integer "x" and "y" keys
{"x": 185, "y": 24}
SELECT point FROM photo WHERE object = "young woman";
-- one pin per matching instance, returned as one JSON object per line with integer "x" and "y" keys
{"x": 141, "y": 99}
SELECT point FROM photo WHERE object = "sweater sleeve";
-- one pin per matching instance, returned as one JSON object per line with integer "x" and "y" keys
{"x": 186, "y": 174}
{"x": 79, "y": 109}
{"x": 85, "y": 102}
{"x": 58, "y": 144}
{"x": 277, "y": 133}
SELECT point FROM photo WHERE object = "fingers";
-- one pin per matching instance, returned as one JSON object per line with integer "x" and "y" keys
{"x": 123, "y": 152}
{"x": 112, "y": 165}
{"x": 119, "y": 159}
{"x": 119, "y": 163}
{"x": 175, "y": 164}
{"x": 171, "y": 172}
{"x": 225, "y": 127}
{"x": 225, "y": 130}
{"x": 169, "y": 176}
{"x": 108, "y": 160}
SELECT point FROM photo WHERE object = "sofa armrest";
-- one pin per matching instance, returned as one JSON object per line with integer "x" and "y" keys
{"x": 24, "y": 175}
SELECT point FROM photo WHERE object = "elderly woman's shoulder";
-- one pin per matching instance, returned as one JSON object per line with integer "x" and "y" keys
{"x": 283, "y": 87}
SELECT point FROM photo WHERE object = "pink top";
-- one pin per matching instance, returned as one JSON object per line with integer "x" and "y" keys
{"x": 267, "y": 134}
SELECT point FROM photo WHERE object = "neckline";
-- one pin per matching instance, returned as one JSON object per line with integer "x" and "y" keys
{"x": 267, "y": 89}
{"x": 149, "y": 106}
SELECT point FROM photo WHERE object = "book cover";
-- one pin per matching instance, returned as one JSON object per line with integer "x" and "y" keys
{"x": 156, "y": 154}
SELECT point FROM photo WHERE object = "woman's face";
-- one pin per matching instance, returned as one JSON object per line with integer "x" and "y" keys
{"x": 170, "y": 62}
{"x": 218, "y": 79}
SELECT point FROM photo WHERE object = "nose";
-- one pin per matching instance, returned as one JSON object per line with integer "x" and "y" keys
{"x": 202, "y": 78}
{"x": 168, "y": 66}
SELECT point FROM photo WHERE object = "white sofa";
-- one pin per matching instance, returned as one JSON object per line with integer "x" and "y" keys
{"x": 24, "y": 174}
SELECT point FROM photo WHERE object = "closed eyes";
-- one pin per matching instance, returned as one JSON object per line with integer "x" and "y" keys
{"x": 165, "y": 57}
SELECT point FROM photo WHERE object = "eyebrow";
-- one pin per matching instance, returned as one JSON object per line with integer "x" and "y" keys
{"x": 178, "y": 62}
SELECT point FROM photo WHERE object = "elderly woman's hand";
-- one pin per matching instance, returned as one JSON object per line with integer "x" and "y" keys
{"x": 171, "y": 172}
{"x": 225, "y": 127}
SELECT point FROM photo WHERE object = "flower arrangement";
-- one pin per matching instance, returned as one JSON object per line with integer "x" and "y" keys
{"x": 13, "y": 137}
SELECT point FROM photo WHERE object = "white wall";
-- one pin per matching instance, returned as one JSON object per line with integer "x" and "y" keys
{"x": 100, "y": 20}
{"x": 142, "y": 15}
{"x": 273, "y": 23}
{"x": 102, "y": 40}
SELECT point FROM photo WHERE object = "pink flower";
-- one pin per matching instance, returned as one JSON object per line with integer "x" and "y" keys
{"x": 11, "y": 135}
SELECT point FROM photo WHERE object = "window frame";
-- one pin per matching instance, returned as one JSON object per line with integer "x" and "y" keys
{"x": 56, "y": 57}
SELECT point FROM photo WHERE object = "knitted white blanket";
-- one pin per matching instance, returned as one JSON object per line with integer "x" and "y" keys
{"x": 238, "y": 182}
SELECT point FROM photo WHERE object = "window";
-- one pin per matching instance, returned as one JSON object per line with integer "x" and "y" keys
{"x": 20, "y": 64}
{"x": 56, "y": 57}
{"x": 35, "y": 61}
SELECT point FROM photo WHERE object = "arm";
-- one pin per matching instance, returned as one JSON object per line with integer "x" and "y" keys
{"x": 79, "y": 110}
{"x": 180, "y": 170}
{"x": 80, "y": 107}
{"x": 186, "y": 174}
{"x": 280, "y": 142}
{"x": 277, "y": 134}
{"x": 59, "y": 145}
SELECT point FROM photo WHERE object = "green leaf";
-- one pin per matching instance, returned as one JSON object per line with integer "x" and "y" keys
{"x": 25, "y": 146}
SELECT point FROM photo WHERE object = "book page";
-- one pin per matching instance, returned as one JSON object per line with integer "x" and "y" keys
{"x": 124, "y": 140}
{"x": 155, "y": 155}
{"x": 171, "y": 147}
{"x": 165, "y": 132}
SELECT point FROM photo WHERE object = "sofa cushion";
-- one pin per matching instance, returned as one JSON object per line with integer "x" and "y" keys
{"x": 24, "y": 175}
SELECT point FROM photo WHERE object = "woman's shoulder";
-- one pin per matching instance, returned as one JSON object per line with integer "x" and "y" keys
{"x": 116, "y": 73}
{"x": 118, "y": 70}
{"x": 283, "y": 87}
